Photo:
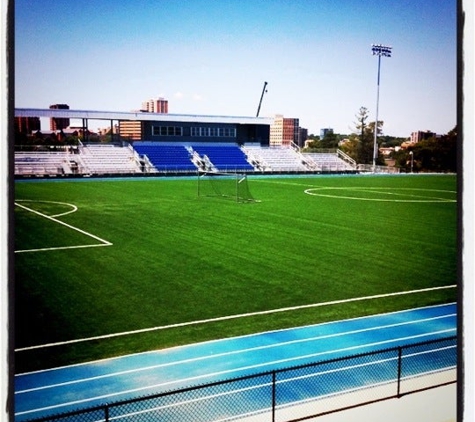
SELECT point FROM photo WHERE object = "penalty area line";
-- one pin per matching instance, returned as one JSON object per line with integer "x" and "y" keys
{"x": 102, "y": 241}
{"x": 231, "y": 317}
{"x": 58, "y": 248}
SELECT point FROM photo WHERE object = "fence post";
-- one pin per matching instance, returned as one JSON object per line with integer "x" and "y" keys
{"x": 399, "y": 370}
{"x": 106, "y": 413}
{"x": 273, "y": 395}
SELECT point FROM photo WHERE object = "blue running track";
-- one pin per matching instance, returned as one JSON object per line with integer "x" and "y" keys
{"x": 86, "y": 385}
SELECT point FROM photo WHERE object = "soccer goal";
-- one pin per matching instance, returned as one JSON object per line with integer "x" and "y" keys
{"x": 225, "y": 185}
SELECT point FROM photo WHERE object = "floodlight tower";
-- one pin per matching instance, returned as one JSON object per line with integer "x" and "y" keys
{"x": 380, "y": 51}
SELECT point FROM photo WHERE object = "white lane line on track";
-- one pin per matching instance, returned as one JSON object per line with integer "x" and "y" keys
{"x": 230, "y": 317}
{"x": 228, "y": 371}
{"x": 234, "y": 352}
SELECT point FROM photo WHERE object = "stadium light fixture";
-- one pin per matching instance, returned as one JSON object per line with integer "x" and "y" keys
{"x": 380, "y": 51}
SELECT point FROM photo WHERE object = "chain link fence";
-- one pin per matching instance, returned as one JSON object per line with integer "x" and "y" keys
{"x": 295, "y": 393}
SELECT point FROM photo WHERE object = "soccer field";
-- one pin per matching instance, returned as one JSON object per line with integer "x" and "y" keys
{"x": 109, "y": 267}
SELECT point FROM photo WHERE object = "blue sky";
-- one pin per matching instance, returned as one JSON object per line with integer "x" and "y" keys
{"x": 212, "y": 57}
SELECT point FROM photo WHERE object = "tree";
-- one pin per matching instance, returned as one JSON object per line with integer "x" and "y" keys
{"x": 351, "y": 145}
{"x": 436, "y": 154}
{"x": 364, "y": 148}
{"x": 360, "y": 145}
{"x": 313, "y": 142}
{"x": 329, "y": 141}
{"x": 313, "y": 137}
{"x": 391, "y": 141}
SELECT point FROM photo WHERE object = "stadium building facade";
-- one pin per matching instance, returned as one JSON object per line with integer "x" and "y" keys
{"x": 205, "y": 130}
{"x": 164, "y": 127}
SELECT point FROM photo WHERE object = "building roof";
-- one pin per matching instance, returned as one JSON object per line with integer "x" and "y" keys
{"x": 137, "y": 115}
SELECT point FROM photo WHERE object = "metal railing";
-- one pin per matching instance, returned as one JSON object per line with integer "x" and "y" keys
{"x": 295, "y": 393}
{"x": 368, "y": 168}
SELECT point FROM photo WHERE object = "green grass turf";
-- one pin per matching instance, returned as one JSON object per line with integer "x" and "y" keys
{"x": 176, "y": 257}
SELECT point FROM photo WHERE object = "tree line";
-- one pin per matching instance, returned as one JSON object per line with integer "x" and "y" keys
{"x": 434, "y": 154}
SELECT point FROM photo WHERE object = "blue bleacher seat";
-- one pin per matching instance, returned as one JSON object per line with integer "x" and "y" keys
{"x": 166, "y": 157}
{"x": 224, "y": 157}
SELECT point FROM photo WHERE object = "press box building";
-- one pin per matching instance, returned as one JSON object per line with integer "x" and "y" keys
{"x": 164, "y": 127}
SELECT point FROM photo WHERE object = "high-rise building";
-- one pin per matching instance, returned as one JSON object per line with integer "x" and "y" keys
{"x": 284, "y": 131}
{"x": 303, "y": 135}
{"x": 58, "y": 123}
{"x": 158, "y": 105}
{"x": 420, "y": 136}
{"x": 325, "y": 131}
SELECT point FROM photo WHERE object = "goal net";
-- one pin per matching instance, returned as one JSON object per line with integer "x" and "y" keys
{"x": 225, "y": 185}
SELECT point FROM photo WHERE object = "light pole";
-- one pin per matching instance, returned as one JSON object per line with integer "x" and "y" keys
{"x": 411, "y": 153}
{"x": 385, "y": 51}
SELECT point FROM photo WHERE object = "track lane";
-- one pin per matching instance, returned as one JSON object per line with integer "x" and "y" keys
{"x": 86, "y": 385}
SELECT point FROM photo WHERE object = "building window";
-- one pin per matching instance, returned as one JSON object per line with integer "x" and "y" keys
{"x": 214, "y": 132}
{"x": 167, "y": 131}
{"x": 228, "y": 132}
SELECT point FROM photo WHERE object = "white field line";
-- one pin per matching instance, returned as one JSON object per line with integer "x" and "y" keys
{"x": 230, "y": 317}
{"x": 234, "y": 352}
{"x": 230, "y": 371}
{"x": 394, "y": 192}
{"x": 102, "y": 241}
{"x": 420, "y": 199}
{"x": 74, "y": 208}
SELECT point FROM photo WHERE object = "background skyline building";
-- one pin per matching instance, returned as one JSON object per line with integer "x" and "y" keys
{"x": 157, "y": 105}
{"x": 325, "y": 131}
{"x": 284, "y": 131}
{"x": 421, "y": 135}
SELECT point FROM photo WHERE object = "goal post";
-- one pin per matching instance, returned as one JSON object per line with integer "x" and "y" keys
{"x": 225, "y": 185}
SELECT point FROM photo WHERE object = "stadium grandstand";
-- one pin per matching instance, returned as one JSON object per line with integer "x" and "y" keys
{"x": 173, "y": 144}
{"x": 146, "y": 157}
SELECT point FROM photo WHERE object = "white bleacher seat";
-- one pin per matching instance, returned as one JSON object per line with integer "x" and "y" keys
{"x": 329, "y": 162}
{"x": 277, "y": 159}
{"x": 42, "y": 163}
{"x": 109, "y": 159}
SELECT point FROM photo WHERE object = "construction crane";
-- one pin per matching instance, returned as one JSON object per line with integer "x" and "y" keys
{"x": 264, "y": 90}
